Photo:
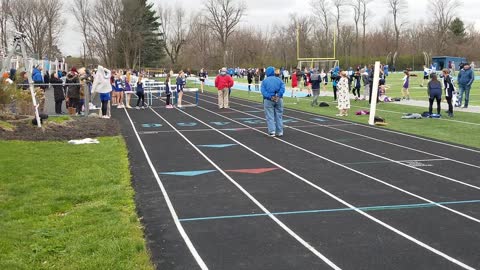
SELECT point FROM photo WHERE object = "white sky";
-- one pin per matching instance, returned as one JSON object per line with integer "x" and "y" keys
{"x": 265, "y": 13}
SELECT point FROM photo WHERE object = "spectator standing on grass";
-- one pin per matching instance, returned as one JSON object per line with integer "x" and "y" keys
{"x": 223, "y": 82}
{"x": 335, "y": 77}
{"x": 316, "y": 80}
{"x": 357, "y": 77}
{"x": 324, "y": 79}
{"x": 343, "y": 95}
{"x": 406, "y": 85}
{"x": 449, "y": 90}
{"x": 426, "y": 72}
{"x": 250, "y": 75}
{"x": 286, "y": 75}
{"x": 434, "y": 94}
{"x": 273, "y": 89}
{"x": 294, "y": 83}
{"x": 366, "y": 83}
{"x": 257, "y": 79}
{"x": 465, "y": 81}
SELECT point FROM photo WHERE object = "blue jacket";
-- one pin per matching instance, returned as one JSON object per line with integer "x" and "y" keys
{"x": 272, "y": 85}
{"x": 466, "y": 77}
{"x": 37, "y": 76}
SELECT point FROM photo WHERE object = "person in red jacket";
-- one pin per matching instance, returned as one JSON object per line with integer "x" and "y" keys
{"x": 223, "y": 82}
{"x": 294, "y": 83}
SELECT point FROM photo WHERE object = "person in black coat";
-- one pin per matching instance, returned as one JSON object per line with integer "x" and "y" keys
{"x": 58, "y": 94}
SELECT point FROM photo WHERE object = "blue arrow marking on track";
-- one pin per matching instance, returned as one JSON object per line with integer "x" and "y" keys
{"x": 188, "y": 173}
{"x": 245, "y": 119}
{"x": 289, "y": 121}
{"x": 254, "y": 122}
{"x": 188, "y": 124}
{"x": 216, "y": 145}
{"x": 319, "y": 119}
{"x": 152, "y": 125}
{"x": 220, "y": 123}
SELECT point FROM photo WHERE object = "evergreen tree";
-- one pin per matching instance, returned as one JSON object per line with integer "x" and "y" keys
{"x": 457, "y": 28}
{"x": 140, "y": 40}
{"x": 152, "y": 49}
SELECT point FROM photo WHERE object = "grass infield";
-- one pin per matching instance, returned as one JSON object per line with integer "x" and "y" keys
{"x": 68, "y": 207}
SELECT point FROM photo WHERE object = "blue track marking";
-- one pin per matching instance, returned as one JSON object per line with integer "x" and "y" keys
{"x": 188, "y": 173}
{"x": 367, "y": 208}
{"x": 216, "y": 145}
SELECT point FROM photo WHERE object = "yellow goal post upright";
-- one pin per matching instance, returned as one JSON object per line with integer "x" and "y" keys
{"x": 325, "y": 63}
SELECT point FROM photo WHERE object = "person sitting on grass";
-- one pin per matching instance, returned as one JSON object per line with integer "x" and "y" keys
{"x": 434, "y": 93}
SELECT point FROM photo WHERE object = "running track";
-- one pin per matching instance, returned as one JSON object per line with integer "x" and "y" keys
{"x": 214, "y": 192}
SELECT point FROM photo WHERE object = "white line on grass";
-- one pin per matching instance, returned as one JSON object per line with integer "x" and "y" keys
{"x": 184, "y": 235}
{"x": 418, "y": 242}
{"x": 244, "y": 191}
{"x": 366, "y": 126}
{"x": 375, "y": 139}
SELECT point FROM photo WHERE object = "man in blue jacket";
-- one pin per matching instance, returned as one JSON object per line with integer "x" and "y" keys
{"x": 273, "y": 89}
{"x": 465, "y": 81}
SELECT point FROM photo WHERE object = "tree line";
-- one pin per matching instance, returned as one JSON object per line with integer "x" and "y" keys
{"x": 137, "y": 33}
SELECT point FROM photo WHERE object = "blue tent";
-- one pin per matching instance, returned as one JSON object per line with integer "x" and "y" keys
{"x": 442, "y": 62}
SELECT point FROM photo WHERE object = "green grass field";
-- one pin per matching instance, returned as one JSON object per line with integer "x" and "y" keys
{"x": 395, "y": 82}
{"x": 457, "y": 130}
{"x": 68, "y": 207}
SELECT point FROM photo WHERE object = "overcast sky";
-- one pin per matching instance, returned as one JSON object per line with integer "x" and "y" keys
{"x": 265, "y": 13}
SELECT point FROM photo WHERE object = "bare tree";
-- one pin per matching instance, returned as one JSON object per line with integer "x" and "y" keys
{"x": 81, "y": 9}
{"x": 200, "y": 38}
{"x": 4, "y": 11}
{"x": 396, "y": 8}
{"x": 338, "y": 4}
{"x": 443, "y": 12}
{"x": 175, "y": 30}
{"x": 357, "y": 13}
{"x": 51, "y": 9}
{"x": 365, "y": 14}
{"x": 223, "y": 17}
{"x": 105, "y": 27}
{"x": 321, "y": 10}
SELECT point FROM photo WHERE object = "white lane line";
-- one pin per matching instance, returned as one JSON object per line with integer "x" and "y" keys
{"x": 184, "y": 235}
{"x": 244, "y": 191}
{"x": 368, "y": 137}
{"x": 365, "y": 126}
{"x": 418, "y": 242}
{"x": 356, "y": 171}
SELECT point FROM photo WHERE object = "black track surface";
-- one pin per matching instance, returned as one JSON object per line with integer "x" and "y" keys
{"x": 315, "y": 160}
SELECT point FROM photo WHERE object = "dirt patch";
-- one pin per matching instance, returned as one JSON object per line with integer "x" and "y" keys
{"x": 76, "y": 128}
